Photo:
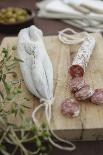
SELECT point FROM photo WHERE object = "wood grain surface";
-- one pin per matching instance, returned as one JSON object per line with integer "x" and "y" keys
{"x": 87, "y": 126}
{"x": 51, "y": 27}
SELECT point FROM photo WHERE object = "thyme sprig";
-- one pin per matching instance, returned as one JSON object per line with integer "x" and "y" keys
{"x": 18, "y": 136}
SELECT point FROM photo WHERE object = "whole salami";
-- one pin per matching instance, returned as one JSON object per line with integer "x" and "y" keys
{"x": 84, "y": 93}
{"x": 82, "y": 57}
{"x": 70, "y": 107}
{"x": 76, "y": 84}
{"x": 97, "y": 96}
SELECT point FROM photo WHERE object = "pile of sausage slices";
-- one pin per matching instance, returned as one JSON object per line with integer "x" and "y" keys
{"x": 77, "y": 84}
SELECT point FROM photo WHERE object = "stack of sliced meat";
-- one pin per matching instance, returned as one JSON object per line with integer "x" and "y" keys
{"x": 82, "y": 90}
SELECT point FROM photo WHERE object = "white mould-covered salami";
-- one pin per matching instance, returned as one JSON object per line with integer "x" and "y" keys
{"x": 70, "y": 107}
{"x": 82, "y": 57}
{"x": 84, "y": 93}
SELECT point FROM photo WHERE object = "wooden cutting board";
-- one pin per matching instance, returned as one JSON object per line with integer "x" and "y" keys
{"x": 87, "y": 126}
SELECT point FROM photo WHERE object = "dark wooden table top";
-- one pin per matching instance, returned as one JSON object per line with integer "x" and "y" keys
{"x": 51, "y": 27}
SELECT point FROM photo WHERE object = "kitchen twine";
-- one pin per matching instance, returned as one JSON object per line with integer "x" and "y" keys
{"x": 66, "y": 38}
{"x": 48, "y": 104}
{"x": 73, "y": 38}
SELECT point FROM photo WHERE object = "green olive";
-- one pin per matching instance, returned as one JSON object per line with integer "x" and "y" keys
{"x": 21, "y": 18}
{"x": 8, "y": 14}
{"x": 19, "y": 13}
{"x": 13, "y": 14}
{"x": 12, "y": 20}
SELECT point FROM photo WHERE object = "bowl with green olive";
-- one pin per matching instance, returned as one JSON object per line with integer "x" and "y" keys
{"x": 12, "y": 19}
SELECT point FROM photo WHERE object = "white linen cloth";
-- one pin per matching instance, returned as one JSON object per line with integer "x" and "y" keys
{"x": 60, "y": 9}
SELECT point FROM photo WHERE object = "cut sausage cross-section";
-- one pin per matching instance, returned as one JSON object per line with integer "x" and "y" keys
{"x": 97, "y": 96}
{"x": 84, "y": 93}
{"x": 76, "y": 83}
{"x": 70, "y": 107}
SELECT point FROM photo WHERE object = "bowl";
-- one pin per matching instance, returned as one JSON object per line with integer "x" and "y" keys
{"x": 13, "y": 28}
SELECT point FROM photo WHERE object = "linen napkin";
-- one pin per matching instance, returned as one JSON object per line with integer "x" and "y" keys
{"x": 57, "y": 9}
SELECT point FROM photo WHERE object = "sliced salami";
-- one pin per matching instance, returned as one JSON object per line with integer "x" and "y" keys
{"x": 70, "y": 107}
{"x": 82, "y": 57}
{"x": 76, "y": 84}
{"x": 97, "y": 97}
{"x": 84, "y": 93}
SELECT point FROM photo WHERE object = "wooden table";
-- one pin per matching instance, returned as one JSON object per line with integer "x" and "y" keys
{"x": 51, "y": 27}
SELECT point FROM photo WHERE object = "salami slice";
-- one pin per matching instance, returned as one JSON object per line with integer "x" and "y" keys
{"x": 84, "y": 93}
{"x": 70, "y": 107}
{"x": 76, "y": 83}
{"x": 97, "y": 97}
{"x": 82, "y": 57}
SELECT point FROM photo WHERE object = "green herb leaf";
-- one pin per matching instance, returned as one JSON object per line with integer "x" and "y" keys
{"x": 14, "y": 111}
{"x": 38, "y": 142}
{"x": 10, "y": 97}
{"x": 26, "y": 107}
{"x": 4, "y": 77}
{"x": 17, "y": 59}
{"x": 5, "y": 51}
{"x": 11, "y": 66}
{"x": 27, "y": 99}
{"x": 8, "y": 58}
{"x": 14, "y": 48}
{"x": 13, "y": 73}
{"x": 7, "y": 87}
{"x": 19, "y": 90}
{"x": 22, "y": 111}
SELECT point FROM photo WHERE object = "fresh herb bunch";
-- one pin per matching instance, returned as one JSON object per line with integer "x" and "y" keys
{"x": 25, "y": 133}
